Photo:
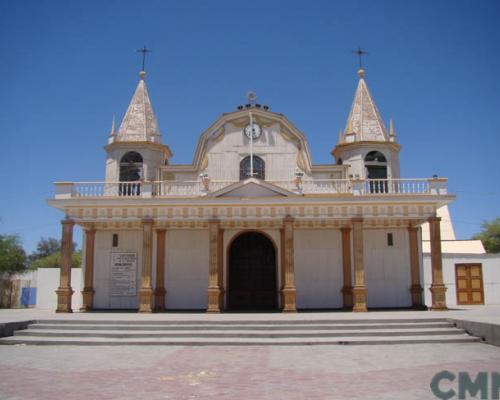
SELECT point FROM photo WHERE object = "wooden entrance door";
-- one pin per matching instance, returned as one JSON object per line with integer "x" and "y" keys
{"x": 469, "y": 282}
{"x": 252, "y": 273}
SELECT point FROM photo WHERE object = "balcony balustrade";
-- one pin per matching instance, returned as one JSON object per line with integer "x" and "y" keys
{"x": 205, "y": 187}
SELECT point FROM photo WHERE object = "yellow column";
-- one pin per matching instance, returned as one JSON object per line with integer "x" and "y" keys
{"x": 359, "y": 291}
{"x": 64, "y": 291}
{"x": 416, "y": 287}
{"x": 146, "y": 290}
{"x": 215, "y": 266}
{"x": 160, "y": 270}
{"x": 438, "y": 289}
{"x": 88, "y": 288}
{"x": 289, "y": 291}
{"x": 346, "y": 268}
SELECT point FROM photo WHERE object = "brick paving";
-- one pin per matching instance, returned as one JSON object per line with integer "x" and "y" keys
{"x": 234, "y": 372}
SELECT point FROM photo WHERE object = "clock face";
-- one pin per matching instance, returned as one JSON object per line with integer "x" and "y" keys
{"x": 254, "y": 130}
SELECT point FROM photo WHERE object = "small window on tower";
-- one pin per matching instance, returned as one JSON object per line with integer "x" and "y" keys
{"x": 115, "y": 239}
{"x": 390, "y": 240}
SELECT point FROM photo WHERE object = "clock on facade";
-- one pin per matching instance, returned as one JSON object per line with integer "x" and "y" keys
{"x": 254, "y": 129}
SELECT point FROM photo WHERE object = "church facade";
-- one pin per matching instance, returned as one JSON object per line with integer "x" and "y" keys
{"x": 252, "y": 223}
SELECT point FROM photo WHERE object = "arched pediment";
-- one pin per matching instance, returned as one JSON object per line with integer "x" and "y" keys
{"x": 217, "y": 132}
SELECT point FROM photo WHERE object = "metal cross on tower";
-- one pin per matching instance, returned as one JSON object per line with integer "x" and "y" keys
{"x": 360, "y": 52}
{"x": 144, "y": 50}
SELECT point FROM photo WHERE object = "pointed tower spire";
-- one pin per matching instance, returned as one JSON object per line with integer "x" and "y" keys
{"x": 112, "y": 132}
{"x": 341, "y": 137}
{"x": 392, "y": 132}
{"x": 364, "y": 120}
{"x": 139, "y": 122}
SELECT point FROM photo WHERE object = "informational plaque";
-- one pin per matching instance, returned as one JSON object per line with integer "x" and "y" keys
{"x": 123, "y": 274}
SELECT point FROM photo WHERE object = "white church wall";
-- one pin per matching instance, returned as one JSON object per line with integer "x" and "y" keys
{"x": 491, "y": 276}
{"x": 186, "y": 273}
{"x": 128, "y": 241}
{"x": 318, "y": 268}
{"x": 47, "y": 282}
{"x": 387, "y": 268}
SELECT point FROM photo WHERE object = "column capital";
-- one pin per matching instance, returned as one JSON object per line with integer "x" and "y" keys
{"x": 147, "y": 221}
{"x": 213, "y": 220}
{"x": 89, "y": 228}
{"x": 434, "y": 219}
{"x": 346, "y": 229}
{"x": 288, "y": 219}
{"x": 161, "y": 230}
{"x": 67, "y": 221}
{"x": 358, "y": 220}
{"x": 412, "y": 227}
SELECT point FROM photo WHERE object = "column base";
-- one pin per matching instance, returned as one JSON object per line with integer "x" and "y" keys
{"x": 359, "y": 298}
{"x": 289, "y": 299}
{"x": 416, "y": 297}
{"x": 160, "y": 293}
{"x": 214, "y": 300}
{"x": 438, "y": 297}
{"x": 64, "y": 299}
{"x": 87, "y": 299}
{"x": 145, "y": 300}
{"x": 347, "y": 297}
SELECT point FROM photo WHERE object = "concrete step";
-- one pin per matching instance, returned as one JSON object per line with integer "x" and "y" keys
{"x": 239, "y": 333}
{"x": 347, "y": 340}
{"x": 181, "y": 327}
{"x": 292, "y": 319}
{"x": 203, "y": 332}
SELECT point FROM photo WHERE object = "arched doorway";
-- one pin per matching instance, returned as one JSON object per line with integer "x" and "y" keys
{"x": 252, "y": 273}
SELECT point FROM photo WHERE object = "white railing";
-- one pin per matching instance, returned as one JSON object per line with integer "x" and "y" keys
{"x": 173, "y": 188}
{"x": 311, "y": 186}
{"x": 107, "y": 189}
{"x": 205, "y": 187}
{"x": 395, "y": 186}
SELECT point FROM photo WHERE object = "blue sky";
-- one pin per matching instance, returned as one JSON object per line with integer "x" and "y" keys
{"x": 68, "y": 66}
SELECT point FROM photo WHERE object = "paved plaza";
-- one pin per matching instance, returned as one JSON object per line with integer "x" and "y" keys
{"x": 236, "y": 372}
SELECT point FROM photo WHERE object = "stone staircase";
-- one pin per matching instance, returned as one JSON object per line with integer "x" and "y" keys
{"x": 198, "y": 332}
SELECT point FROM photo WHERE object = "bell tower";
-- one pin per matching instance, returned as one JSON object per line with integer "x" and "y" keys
{"x": 135, "y": 151}
{"x": 365, "y": 145}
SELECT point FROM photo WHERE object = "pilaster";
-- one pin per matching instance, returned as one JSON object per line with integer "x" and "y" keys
{"x": 359, "y": 291}
{"x": 88, "y": 288}
{"x": 215, "y": 292}
{"x": 64, "y": 291}
{"x": 438, "y": 289}
{"x": 289, "y": 291}
{"x": 146, "y": 290}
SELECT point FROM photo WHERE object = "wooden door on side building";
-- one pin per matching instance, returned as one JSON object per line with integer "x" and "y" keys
{"x": 469, "y": 282}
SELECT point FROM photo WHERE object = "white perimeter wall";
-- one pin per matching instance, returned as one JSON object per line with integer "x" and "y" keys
{"x": 318, "y": 268}
{"x": 48, "y": 282}
{"x": 491, "y": 276}
{"x": 186, "y": 275}
{"x": 387, "y": 268}
{"x": 128, "y": 241}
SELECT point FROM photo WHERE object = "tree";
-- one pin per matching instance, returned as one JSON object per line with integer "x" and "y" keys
{"x": 53, "y": 260}
{"x": 490, "y": 235}
{"x": 48, "y": 254}
{"x": 12, "y": 255}
{"x": 47, "y": 247}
